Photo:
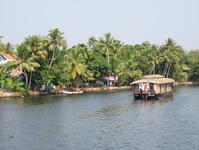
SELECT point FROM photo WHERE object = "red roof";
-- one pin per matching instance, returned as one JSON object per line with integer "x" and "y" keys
{"x": 8, "y": 57}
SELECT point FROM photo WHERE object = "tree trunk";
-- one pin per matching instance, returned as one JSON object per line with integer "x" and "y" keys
{"x": 30, "y": 79}
{"x": 26, "y": 76}
{"x": 52, "y": 59}
{"x": 127, "y": 83}
{"x": 165, "y": 69}
{"x": 168, "y": 69}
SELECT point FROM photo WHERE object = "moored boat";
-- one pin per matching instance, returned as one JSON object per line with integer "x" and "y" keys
{"x": 152, "y": 86}
{"x": 72, "y": 92}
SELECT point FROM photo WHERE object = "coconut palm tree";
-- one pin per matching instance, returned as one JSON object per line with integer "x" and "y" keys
{"x": 170, "y": 53}
{"x": 23, "y": 66}
{"x": 92, "y": 42}
{"x": 56, "y": 41}
{"x": 83, "y": 50}
{"x": 75, "y": 64}
{"x": 141, "y": 57}
{"x": 193, "y": 56}
{"x": 33, "y": 49}
{"x": 154, "y": 57}
{"x": 127, "y": 70}
{"x": 146, "y": 45}
{"x": 7, "y": 49}
{"x": 106, "y": 45}
{"x": 2, "y": 46}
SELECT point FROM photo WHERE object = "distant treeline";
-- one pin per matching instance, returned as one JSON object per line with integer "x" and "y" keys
{"x": 47, "y": 60}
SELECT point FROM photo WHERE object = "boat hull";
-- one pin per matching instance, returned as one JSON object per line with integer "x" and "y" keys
{"x": 156, "y": 96}
{"x": 72, "y": 92}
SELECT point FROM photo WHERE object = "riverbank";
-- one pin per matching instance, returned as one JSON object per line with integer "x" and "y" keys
{"x": 186, "y": 83}
{"x": 94, "y": 89}
{"x": 90, "y": 89}
{"x": 17, "y": 94}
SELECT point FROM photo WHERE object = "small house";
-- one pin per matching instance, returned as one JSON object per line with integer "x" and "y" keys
{"x": 109, "y": 80}
{"x": 5, "y": 58}
{"x": 152, "y": 86}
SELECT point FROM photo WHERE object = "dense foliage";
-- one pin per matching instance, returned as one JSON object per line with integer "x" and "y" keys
{"x": 46, "y": 60}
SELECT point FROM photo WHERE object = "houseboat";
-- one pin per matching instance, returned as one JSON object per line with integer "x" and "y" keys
{"x": 152, "y": 86}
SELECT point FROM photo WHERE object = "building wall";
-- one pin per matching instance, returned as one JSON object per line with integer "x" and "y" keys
{"x": 157, "y": 89}
{"x": 2, "y": 60}
{"x": 163, "y": 88}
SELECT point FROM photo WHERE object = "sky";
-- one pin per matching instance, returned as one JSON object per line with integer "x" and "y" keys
{"x": 130, "y": 21}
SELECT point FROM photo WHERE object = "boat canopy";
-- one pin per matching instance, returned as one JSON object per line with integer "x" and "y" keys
{"x": 156, "y": 78}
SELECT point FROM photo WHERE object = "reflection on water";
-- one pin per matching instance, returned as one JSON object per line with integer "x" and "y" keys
{"x": 112, "y": 110}
{"x": 106, "y": 120}
{"x": 151, "y": 103}
{"x": 36, "y": 100}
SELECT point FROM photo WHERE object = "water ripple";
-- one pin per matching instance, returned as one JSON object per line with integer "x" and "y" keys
{"x": 101, "y": 121}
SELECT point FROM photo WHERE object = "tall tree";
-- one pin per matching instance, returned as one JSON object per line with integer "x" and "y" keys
{"x": 56, "y": 41}
{"x": 23, "y": 66}
{"x": 7, "y": 48}
{"x": 154, "y": 57}
{"x": 146, "y": 45}
{"x": 32, "y": 44}
{"x": 75, "y": 64}
{"x": 127, "y": 70}
{"x": 193, "y": 56}
{"x": 171, "y": 52}
{"x": 92, "y": 42}
{"x": 107, "y": 45}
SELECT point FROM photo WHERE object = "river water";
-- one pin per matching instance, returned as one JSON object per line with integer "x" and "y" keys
{"x": 101, "y": 121}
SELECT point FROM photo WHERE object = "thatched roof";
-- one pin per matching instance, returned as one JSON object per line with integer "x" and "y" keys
{"x": 153, "y": 76}
{"x": 156, "y": 78}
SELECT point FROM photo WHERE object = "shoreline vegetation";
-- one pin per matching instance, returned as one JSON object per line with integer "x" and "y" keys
{"x": 88, "y": 89}
{"x": 105, "y": 62}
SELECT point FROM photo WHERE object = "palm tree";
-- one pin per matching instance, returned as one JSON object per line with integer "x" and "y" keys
{"x": 32, "y": 46}
{"x": 75, "y": 64}
{"x": 170, "y": 53}
{"x": 107, "y": 45}
{"x": 116, "y": 56}
{"x": 165, "y": 58}
{"x": 83, "y": 50}
{"x": 127, "y": 70}
{"x": 146, "y": 45}
{"x": 56, "y": 41}
{"x": 193, "y": 56}
{"x": 92, "y": 42}
{"x": 7, "y": 48}
{"x": 141, "y": 57}
{"x": 23, "y": 66}
{"x": 154, "y": 57}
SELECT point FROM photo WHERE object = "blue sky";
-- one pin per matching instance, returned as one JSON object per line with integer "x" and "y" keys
{"x": 130, "y": 21}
